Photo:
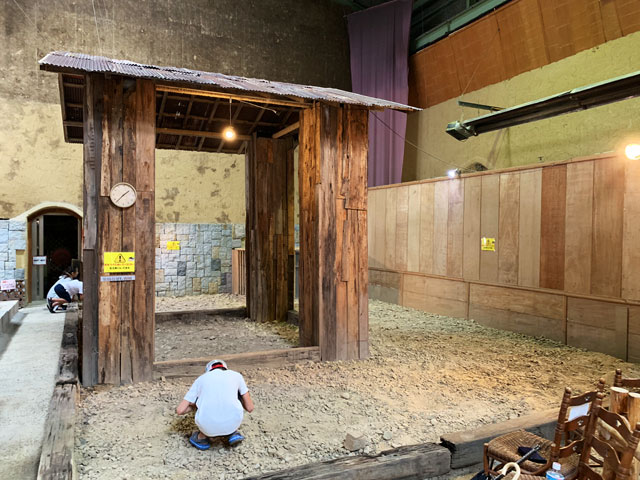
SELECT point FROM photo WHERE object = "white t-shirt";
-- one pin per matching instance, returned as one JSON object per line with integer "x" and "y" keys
{"x": 73, "y": 287}
{"x": 216, "y": 395}
{"x": 62, "y": 279}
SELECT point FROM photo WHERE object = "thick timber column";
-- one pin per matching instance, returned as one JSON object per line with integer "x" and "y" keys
{"x": 269, "y": 230}
{"x": 333, "y": 267}
{"x": 119, "y": 146}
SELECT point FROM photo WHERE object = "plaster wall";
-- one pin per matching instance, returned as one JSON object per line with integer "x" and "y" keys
{"x": 598, "y": 130}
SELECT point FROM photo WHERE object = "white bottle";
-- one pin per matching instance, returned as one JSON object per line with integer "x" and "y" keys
{"x": 554, "y": 472}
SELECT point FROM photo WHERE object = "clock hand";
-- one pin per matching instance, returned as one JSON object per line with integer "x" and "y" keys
{"x": 121, "y": 196}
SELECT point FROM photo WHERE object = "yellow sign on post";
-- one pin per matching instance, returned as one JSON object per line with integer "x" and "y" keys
{"x": 488, "y": 244}
{"x": 175, "y": 245}
{"x": 116, "y": 262}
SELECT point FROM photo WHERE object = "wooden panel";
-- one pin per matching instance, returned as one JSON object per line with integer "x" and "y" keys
{"x": 145, "y": 135}
{"x": 608, "y": 202}
{"x": 390, "y": 228}
{"x": 489, "y": 226}
{"x": 598, "y": 326}
{"x": 435, "y": 295}
{"x": 631, "y": 233}
{"x": 385, "y": 286}
{"x": 440, "y": 219}
{"x": 455, "y": 228}
{"x": 538, "y": 304}
{"x": 634, "y": 335}
{"x": 471, "y": 247}
{"x": 610, "y": 21}
{"x": 356, "y": 155}
{"x": 578, "y": 227}
{"x": 362, "y": 281}
{"x": 521, "y": 37}
{"x": 413, "y": 231}
{"x": 529, "y": 228}
{"x": 427, "y": 193}
{"x": 402, "y": 228}
{"x": 628, "y": 15}
{"x": 518, "y": 322}
{"x": 508, "y": 228}
{"x": 480, "y": 36}
{"x": 433, "y": 75}
{"x": 379, "y": 218}
{"x": 111, "y": 171}
{"x": 571, "y": 26}
{"x": 552, "y": 229}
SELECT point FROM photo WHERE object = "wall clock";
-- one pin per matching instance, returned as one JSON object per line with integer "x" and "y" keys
{"x": 123, "y": 195}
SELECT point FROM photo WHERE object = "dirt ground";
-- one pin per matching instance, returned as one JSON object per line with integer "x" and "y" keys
{"x": 427, "y": 375}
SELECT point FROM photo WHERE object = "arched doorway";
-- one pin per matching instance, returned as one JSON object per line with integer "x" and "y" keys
{"x": 54, "y": 244}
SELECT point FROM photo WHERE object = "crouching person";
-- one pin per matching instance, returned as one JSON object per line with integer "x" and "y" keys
{"x": 218, "y": 397}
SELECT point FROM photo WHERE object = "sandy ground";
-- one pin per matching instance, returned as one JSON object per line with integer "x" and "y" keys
{"x": 427, "y": 375}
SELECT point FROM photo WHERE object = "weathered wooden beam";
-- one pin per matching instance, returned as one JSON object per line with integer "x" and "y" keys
{"x": 196, "y": 133}
{"x": 408, "y": 462}
{"x": 68, "y": 359}
{"x": 204, "y": 315}
{"x": 192, "y": 367}
{"x": 291, "y": 128}
{"x": 56, "y": 458}
{"x": 467, "y": 446}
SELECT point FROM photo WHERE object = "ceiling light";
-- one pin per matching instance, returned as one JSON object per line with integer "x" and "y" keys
{"x": 229, "y": 133}
{"x": 632, "y": 151}
{"x": 453, "y": 173}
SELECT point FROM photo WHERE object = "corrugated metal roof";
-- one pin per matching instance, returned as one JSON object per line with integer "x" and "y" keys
{"x": 79, "y": 62}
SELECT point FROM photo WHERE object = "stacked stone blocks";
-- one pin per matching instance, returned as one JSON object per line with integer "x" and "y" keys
{"x": 13, "y": 236}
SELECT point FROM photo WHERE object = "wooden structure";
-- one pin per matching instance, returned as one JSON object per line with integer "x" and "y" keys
{"x": 121, "y": 111}
{"x": 564, "y": 262}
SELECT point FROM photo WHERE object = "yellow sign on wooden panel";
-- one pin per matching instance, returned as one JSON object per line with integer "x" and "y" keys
{"x": 488, "y": 244}
{"x": 116, "y": 262}
{"x": 175, "y": 245}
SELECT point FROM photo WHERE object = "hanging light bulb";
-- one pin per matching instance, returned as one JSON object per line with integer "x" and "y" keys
{"x": 632, "y": 151}
{"x": 229, "y": 133}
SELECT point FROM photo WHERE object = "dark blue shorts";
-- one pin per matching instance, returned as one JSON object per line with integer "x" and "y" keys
{"x": 62, "y": 292}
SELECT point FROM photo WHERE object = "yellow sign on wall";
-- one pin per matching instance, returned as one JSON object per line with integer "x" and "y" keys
{"x": 116, "y": 262}
{"x": 175, "y": 245}
{"x": 488, "y": 244}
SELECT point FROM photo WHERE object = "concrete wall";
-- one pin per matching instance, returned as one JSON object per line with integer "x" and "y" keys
{"x": 599, "y": 130}
{"x": 301, "y": 41}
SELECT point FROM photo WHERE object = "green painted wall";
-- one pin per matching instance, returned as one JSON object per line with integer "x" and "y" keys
{"x": 601, "y": 129}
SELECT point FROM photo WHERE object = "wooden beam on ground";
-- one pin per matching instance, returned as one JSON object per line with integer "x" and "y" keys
{"x": 193, "y": 367}
{"x": 68, "y": 360}
{"x": 466, "y": 447}
{"x": 56, "y": 459}
{"x": 198, "y": 133}
{"x": 412, "y": 461}
{"x": 291, "y": 128}
{"x": 204, "y": 315}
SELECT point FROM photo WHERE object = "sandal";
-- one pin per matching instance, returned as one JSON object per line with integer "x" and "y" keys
{"x": 235, "y": 438}
{"x": 199, "y": 444}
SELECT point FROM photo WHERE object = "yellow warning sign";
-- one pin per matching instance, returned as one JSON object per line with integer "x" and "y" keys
{"x": 175, "y": 245}
{"x": 115, "y": 262}
{"x": 488, "y": 244}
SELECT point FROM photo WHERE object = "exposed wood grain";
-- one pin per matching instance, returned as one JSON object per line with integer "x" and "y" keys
{"x": 489, "y": 220}
{"x": 145, "y": 135}
{"x": 608, "y": 203}
{"x": 390, "y": 228}
{"x": 539, "y": 304}
{"x": 631, "y": 233}
{"x": 435, "y": 295}
{"x": 455, "y": 228}
{"x": 362, "y": 285}
{"x": 427, "y": 193}
{"x": 379, "y": 237}
{"x": 402, "y": 228}
{"x": 357, "y": 151}
{"x": 599, "y": 326}
{"x": 529, "y": 228}
{"x": 508, "y": 228}
{"x": 578, "y": 228}
{"x": 552, "y": 229}
{"x": 471, "y": 245}
{"x": 440, "y": 219}
{"x": 527, "y": 324}
{"x": 413, "y": 230}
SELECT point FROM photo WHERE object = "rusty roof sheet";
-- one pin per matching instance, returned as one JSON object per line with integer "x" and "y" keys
{"x": 79, "y": 62}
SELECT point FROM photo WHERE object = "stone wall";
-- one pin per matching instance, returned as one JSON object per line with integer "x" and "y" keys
{"x": 202, "y": 265}
{"x": 13, "y": 240}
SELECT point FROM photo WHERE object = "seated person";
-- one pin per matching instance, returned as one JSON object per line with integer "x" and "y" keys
{"x": 64, "y": 290}
{"x": 218, "y": 396}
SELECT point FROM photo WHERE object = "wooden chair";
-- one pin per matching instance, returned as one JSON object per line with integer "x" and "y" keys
{"x": 563, "y": 449}
{"x": 628, "y": 383}
{"x": 614, "y": 462}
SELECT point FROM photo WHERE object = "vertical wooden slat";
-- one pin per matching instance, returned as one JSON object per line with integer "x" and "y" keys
{"x": 356, "y": 127}
{"x": 579, "y": 228}
{"x": 552, "y": 229}
{"x": 291, "y": 219}
{"x": 631, "y": 233}
{"x": 427, "y": 193}
{"x": 529, "y": 231}
{"x": 380, "y": 218}
{"x": 489, "y": 211}
{"x": 508, "y": 228}
{"x": 440, "y": 219}
{"x": 413, "y": 230}
{"x": 455, "y": 228}
{"x": 362, "y": 278}
{"x": 608, "y": 201}
{"x": 402, "y": 228}
{"x": 471, "y": 246}
{"x": 390, "y": 229}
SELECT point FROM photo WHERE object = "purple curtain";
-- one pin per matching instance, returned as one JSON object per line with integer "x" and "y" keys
{"x": 379, "y": 41}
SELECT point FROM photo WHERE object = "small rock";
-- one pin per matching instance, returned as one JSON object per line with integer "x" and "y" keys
{"x": 355, "y": 441}
{"x": 345, "y": 395}
{"x": 387, "y": 435}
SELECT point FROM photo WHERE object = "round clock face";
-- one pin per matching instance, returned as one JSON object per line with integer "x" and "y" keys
{"x": 123, "y": 195}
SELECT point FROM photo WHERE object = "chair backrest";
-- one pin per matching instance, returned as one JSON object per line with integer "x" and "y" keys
{"x": 619, "y": 381}
{"x": 619, "y": 462}
{"x": 568, "y": 433}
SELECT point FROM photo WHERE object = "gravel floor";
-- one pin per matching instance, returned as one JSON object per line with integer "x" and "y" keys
{"x": 427, "y": 375}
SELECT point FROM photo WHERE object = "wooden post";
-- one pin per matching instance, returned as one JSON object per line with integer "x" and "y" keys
{"x": 619, "y": 400}
{"x": 267, "y": 234}
{"x": 333, "y": 231}
{"x": 119, "y": 146}
{"x": 633, "y": 407}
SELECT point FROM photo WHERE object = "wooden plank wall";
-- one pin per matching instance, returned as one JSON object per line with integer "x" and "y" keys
{"x": 333, "y": 231}
{"x": 566, "y": 261}
{"x": 518, "y": 37}
{"x": 118, "y": 321}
